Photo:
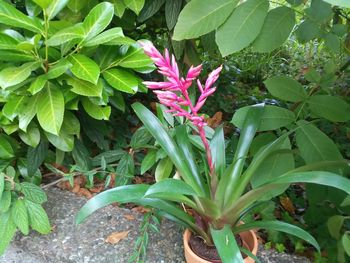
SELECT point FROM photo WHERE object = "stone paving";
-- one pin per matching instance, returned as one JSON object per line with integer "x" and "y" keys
{"x": 85, "y": 243}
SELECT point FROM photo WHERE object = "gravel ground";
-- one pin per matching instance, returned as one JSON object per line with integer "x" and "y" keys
{"x": 85, "y": 243}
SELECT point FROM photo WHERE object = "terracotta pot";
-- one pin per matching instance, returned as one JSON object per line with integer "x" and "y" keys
{"x": 249, "y": 240}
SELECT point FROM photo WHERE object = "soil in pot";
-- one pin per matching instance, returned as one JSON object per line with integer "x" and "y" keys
{"x": 208, "y": 252}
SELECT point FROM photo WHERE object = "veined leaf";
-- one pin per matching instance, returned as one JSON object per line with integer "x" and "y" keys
{"x": 31, "y": 137}
{"x": 200, "y": 17}
{"x": 27, "y": 111}
{"x": 7, "y": 42}
{"x": 98, "y": 19}
{"x": 58, "y": 69}
{"x": 67, "y": 34}
{"x": 172, "y": 11}
{"x": 15, "y": 75}
{"x": 19, "y": 216}
{"x": 13, "y": 56}
{"x": 6, "y": 150}
{"x": 7, "y": 228}
{"x": 150, "y": 9}
{"x": 38, "y": 218}
{"x": 135, "y": 5}
{"x": 50, "y": 109}
{"x": 121, "y": 80}
{"x": 55, "y": 7}
{"x": 33, "y": 192}
{"x": 105, "y": 37}
{"x": 38, "y": 84}
{"x": 12, "y": 106}
{"x": 63, "y": 141}
{"x": 84, "y": 68}
{"x": 119, "y": 8}
{"x": 42, "y": 3}
{"x": 134, "y": 58}
{"x": 242, "y": 27}
{"x": 96, "y": 111}
{"x": 5, "y": 202}
{"x": 163, "y": 170}
{"x": 9, "y": 15}
{"x": 85, "y": 88}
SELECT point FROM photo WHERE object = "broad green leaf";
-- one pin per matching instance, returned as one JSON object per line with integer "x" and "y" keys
{"x": 12, "y": 106}
{"x": 33, "y": 193}
{"x": 134, "y": 5}
{"x": 42, "y": 3}
{"x": 200, "y": 17}
{"x": 55, "y": 7}
{"x": 109, "y": 156}
{"x": 5, "y": 202}
{"x": 58, "y": 69}
{"x": 329, "y": 107}
{"x": 277, "y": 27}
{"x": 163, "y": 170}
{"x": 9, "y": 15}
{"x": 6, "y": 150}
{"x": 217, "y": 147}
{"x": 121, "y": 80}
{"x": 341, "y": 3}
{"x": 172, "y": 11}
{"x": 38, "y": 218}
{"x": 62, "y": 141}
{"x": 173, "y": 186}
{"x": 148, "y": 161}
{"x": 346, "y": 201}
{"x": 85, "y": 88}
{"x": 119, "y": 8}
{"x": 286, "y": 88}
{"x": 38, "y": 84}
{"x": 134, "y": 58}
{"x": 2, "y": 184}
{"x": 36, "y": 156}
{"x": 13, "y": 56}
{"x": 104, "y": 37}
{"x": 67, "y": 34}
{"x": 242, "y": 27}
{"x": 335, "y": 224}
{"x": 15, "y": 75}
{"x": 27, "y": 111}
{"x": 76, "y": 5}
{"x": 314, "y": 145}
{"x": 96, "y": 111}
{"x": 333, "y": 42}
{"x": 71, "y": 124}
{"x": 346, "y": 243}
{"x": 279, "y": 226}
{"x": 84, "y": 68}
{"x": 7, "y": 228}
{"x": 50, "y": 109}
{"x": 149, "y": 9}
{"x": 31, "y": 137}
{"x": 19, "y": 216}
{"x": 273, "y": 118}
{"x": 319, "y": 12}
{"x": 98, "y": 19}
{"x": 307, "y": 31}
{"x": 7, "y": 42}
{"x": 140, "y": 138}
{"x": 226, "y": 245}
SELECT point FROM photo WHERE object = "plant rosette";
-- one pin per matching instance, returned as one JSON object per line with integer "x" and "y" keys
{"x": 217, "y": 192}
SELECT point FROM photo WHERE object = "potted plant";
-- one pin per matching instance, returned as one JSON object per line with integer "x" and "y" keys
{"x": 211, "y": 195}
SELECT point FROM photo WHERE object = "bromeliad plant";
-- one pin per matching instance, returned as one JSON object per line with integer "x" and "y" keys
{"x": 220, "y": 194}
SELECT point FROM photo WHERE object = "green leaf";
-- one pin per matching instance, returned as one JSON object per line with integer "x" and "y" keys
{"x": 95, "y": 111}
{"x": 135, "y": 5}
{"x": 119, "y": 8}
{"x": 98, "y": 19}
{"x": 12, "y": 106}
{"x": 286, "y": 88}
{"x": 307, "y": 31}
{"x": 63, "y": 141}
{"x": 31, "y": 137}
{"x": 2, "y": 184}
{"x": 66, "y": 34}
{"x": 121, "y": 80}
{"x": 329, "y": 107}
{"x": 150, "y": 8}
{"x": 134, "y": 58}
{"x": 335, "y": 224}
{"x": 50, "y": 109}
{"x": 140, "y": 138}
{"x": 38, "y": 218}
{"x": 36, "y": 156}
{"x": 172, "y": 11}
{"x": 85, "y": 88}
{"x": 7, "y": 229}
{"x": 38, "y": 84}
{"x": 42, "y": 3}
{"x": 277, "y": 27}
{"x": 13, "y": 56}
{"x": 84, "y": 68}
{"x": 319, "y": 11}
{"x": 11, "y": 16}
{"x": 14, "y": 75}
{"x": 5, "y": 202}
{"x": 71, "y": 124}
{"x": 200, "y": 17}
{"x": 346, "y": 243}
{"x": 346, "y": 201}
{"x": 173, "y": 186}
{"x": 242, "y": 27}
{"x": 226, "y": 245}
{"x": 279, "y": 226}
{"x": 104, "y": 37}
{"x": 273, "y": 118}
{"x": 163, "y": 170}
{"x": 19, "y": 216}
{"x": 7, "y": 42}
{"x": 33, "y": 193}
{"x": 109, "y": 156}
{"x": 58, "y": 69}
{"x": 341, "y": 3}
{"x": 314, "y": 145}
{"x": 333, "y": 42}
{"x": 148, "y": 161}
{"x": 217, "y": 147}
{"x": 27, "y": 111}
{"x": 55, "y": 7}
{"x": 6, "y": 150}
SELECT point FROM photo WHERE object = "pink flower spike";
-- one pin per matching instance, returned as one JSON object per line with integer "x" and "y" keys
{"x": 193, "y": 72}
{"x": 199, "y": 84}
{"x": 199, "y": 105}
{"x": 213, "y": 76}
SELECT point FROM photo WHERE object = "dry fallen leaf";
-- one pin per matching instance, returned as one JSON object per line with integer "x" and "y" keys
{"x": 115, "y": 237}
{"x": 141, "y": 209}
{"x": 216, "y": 120}
{"x": 287, "y": 205}
{"x": 129, "y": 217}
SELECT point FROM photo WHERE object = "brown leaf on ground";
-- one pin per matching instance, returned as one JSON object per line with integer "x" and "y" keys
{"x": 96, "y": 189}
{"x": 129, "y": 217}
{"x": 76, "y": 188}
{"x": 84, "y": 192}
{"x": 216, "y": 120}
{"x": 141, "y": 209}
{"x": 115, "y": 237}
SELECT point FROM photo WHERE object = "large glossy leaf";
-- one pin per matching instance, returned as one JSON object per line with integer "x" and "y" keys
{"x": 329, "y": 107}
{"x": 273, "y": 118}
{"x": 277, "y": 27}
{"x": 226, "y": 245}
{"x": 67, "y": 34}
{"x": 279, "y": 226}
{"x": 134, "y": 58}
{"x": 173, "y": 186}
{"x": 134, "y": 5}
{"x": 242, "y": 27}
{"x": 12, "y": 106}
{"x": 286, "y": 88}
{"x": 27, "y": 111}
{"x": 167, "y": 143}
{"x": 50, "y": 109}
{"x": 98, "y": 19}
{"x": 31, "y": 137}
{"x": 55, "y": 7}
{"x": 63, "y": 141}
{"x": 6, "y": 150}
{"x": 7, "y": 42}
{"x": 150, "y": 8}
{"x": 85, "y": 88}
{"x": 104, "y": 37}
{"x": 84, "y": 68}
{"x": 36, "y": 156}
{"x": 217, "y": 148}
{"x": 163, "y": 169}
{"x": 15, "y": 75}
{"x": 38, "y": 84}
{"x": 200, "y": 17}
{"x": 58, "y": 69}
{"x": 96, "y": 111}
{"x": 121, "y": 80}
{"x": 14, "y": 56}
{"x": 172, "y": 11}
{"x": 334, "y": 225}
{"x": 11, "y": 16}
